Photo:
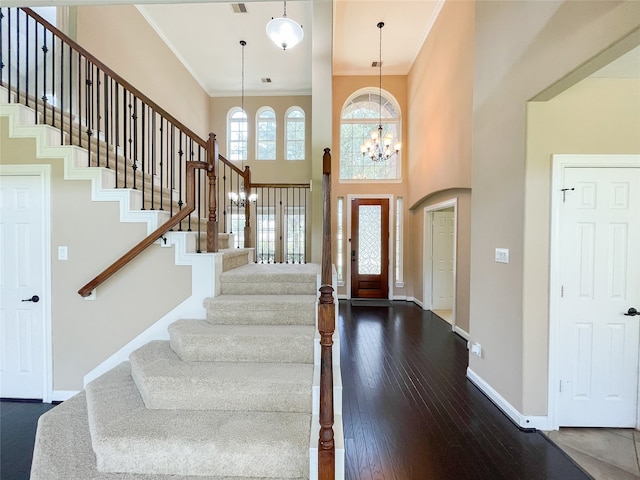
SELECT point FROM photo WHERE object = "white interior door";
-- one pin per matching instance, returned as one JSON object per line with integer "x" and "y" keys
{"x": 443, "y": 242}
{"x": 600, "y": 281}
{"x": 22, "y": 329}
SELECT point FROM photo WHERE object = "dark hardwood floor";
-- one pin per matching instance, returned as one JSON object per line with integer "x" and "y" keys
{"x": 409, "y": 412}
{"x": 18, "y": 422}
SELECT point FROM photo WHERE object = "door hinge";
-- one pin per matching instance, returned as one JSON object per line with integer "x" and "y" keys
{"x": 560, "y": 386}
{"x": 562, "y": 291}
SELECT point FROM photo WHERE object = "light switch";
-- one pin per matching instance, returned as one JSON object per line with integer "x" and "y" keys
{"x": 62, "y": 252}
{"x": 502, "y": 255}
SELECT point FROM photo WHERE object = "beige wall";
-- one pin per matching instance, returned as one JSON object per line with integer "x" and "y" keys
{"x": 521, "y": 48}
{"x": 85, "y": 333}
{"x": 439, "y": 87}
{"x": 343, "y": 87}
{"x": 265, "y": 171}
{"x": 598, "y": 115}
{"x": 123, "y": 40}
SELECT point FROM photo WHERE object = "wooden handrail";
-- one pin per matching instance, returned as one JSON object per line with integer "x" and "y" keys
{"x": 157, "y": 108}
{"x": 326, "y": 327}
{"x": 231, "y": 165}
{"x": 189, "y": 207}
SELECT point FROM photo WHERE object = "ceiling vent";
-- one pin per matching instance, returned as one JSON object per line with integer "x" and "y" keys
{"x": 376, "y": 64}
{"x": 266, "y": 80}
{"x": 239, "y": 7}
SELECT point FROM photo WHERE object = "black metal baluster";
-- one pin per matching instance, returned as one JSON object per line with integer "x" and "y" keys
{"x": 35, "y": 52}
{"x": 190, "y": 159}
{"x": 172, "y": 184}
{"x": 70, "y": 95}
{"x": 9, "y": 53}
{"x": 26, "y": 54}
{"x": 45, "y": 50}
{"x": 53, "y": 79}
{"x": 96, "y": 107}
{"x": 79, "y": 106}
{"x": 2, "y": 16}
{"x": 117, "y": 127}
{"x": 162, "y": 145}
{"x": 61, "y": 108}
{"x": 198, "y": 211}
{"x": 180, "y": 169}
{"x": 17, "y": 95}
{"x": 143, "y": 129}
{"x": 135, "y": 140}
{"x": 107, "y": 108}
{"x": 306, "y": 216}
{"x": 152, "y": 168}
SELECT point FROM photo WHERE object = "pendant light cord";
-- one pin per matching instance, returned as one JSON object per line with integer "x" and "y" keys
{"x": 242, "y": 43}
{"x": 380, "y": 25}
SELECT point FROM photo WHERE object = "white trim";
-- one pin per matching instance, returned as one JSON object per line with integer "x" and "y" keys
{"x": 63, "y": 395}
{"x": 399, "y": 297}
{"x": 523, "y": 421}
{"x": 350, "y": 198}
{"x": 427, "y": 257}
{"x": 44, "y": 172}
{"x": 462, "y": 333}
{"x": 416, "y": 301}
{"x": 558, "y": 165}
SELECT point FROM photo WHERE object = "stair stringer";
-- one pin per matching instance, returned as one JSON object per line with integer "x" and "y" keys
{"x": 102, "y": 179}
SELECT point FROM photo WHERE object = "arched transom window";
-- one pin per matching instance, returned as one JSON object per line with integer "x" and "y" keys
{"x": 237, "y": 134}
{"x": 294, "y": 132}
{"x": 361, "y": 115}
{"x": 266, "y": 141}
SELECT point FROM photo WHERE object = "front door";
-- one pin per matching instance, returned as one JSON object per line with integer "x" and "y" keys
{"x": 370, "y": 248}
{"x": 21, "y": 286}
{"x": 600, "y": 281}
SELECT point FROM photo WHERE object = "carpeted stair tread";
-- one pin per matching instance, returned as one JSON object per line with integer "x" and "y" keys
{"x": 200, "y": 341}
{"x": 269, "y": 279}
{"x": 67, "y": 425}
{"x": 262, "y": 309}
{"x": 128, "y": 437}
{"x": 166, "y": 382}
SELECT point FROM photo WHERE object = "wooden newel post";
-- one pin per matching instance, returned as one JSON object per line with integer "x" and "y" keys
{"x": 247, "y": 207}
{"x": 326, "y": 327}
{"x": 212, "y": 174}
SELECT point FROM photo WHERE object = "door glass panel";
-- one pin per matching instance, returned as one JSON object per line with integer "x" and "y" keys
{"x": 369, "y": 239}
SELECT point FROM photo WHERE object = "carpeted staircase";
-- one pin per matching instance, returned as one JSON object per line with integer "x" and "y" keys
{"x": 226, "y": 397}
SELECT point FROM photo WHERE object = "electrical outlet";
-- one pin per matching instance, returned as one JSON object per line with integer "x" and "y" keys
{"x": 62, "y": 252}
{"x": 502, "y": 255}
{"x": 476, "y": 349}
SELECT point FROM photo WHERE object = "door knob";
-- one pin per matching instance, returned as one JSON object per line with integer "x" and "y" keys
{"x": 34, "y": 299}
{"x": 632, "y": 312}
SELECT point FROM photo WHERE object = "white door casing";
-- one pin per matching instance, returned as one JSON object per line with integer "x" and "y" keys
{"x": 595, "y": 279}
{"x": 442, "y": 260}
{"x": 25, "y": 332}
{"x": 428, "y": 255}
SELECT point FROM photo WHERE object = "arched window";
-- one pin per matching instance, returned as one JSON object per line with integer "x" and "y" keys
{"x": 361, "y": 114}
{"x": 266, "y": 133}
{"x": 294, "y": 134}
{"x": 236, "y": 134}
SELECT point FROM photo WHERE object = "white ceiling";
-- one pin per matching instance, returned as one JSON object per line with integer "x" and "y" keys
{"x": 206, "y": 37}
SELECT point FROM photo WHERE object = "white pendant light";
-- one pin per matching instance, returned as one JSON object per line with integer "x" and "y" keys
{"x": 284, "y": 32}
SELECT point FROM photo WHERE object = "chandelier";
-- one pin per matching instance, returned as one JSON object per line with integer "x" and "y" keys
{"x": 378, "y": 147}
{"x": 283, "y": 31}
{"x": 240, "y": 199}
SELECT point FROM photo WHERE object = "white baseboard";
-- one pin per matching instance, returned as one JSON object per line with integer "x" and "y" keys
{"x": 462, "y": 333}
{"x": 523, "y": 421}
{"x": 63, "y": 395}
{"x": 399, "y": 297}
{"x": 416, "y": 301}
